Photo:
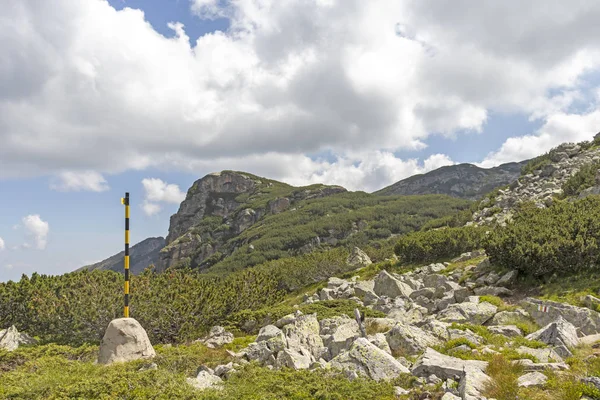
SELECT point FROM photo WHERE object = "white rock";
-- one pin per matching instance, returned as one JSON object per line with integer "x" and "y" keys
{"x": 505, "y": 330}
{"x": 410, "y": 340}
{"x": 205, "y": 380}
{"x": 443, "y": 366}
{"x": 293, "y": 359}
{"x": 387, "y": 285}
{"x": 9, "y": 339}
{"x": 472, "y": 313}
{"x": 125, "y": 340}
{"x": 304, "y": 334}
{"x": 585, "y": 320}
{"x": 217, "y": 337}
{"x": 532, "y": 379}
{"x": 559, "y": 332}
{"x": 364, "y": 358}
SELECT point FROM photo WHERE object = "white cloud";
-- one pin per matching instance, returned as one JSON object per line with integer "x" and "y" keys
{"x": 9, "y": 266}
{"x": 2, "y": 245}
{"x": 158, "y": 191}
{"x": 559, "y": 128}
{"x": 38, "y": 230}
{"x": 289, "y": 78}
{"x": 151, "y": 208}
{"x": 73, "y": 181}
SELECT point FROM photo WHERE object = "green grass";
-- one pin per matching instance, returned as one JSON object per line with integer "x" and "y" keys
{"x": 53, "y": 373}
{"x": 498, "y": 302}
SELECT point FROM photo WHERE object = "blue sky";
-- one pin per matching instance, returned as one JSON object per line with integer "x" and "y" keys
{"x": 305, "y": 92}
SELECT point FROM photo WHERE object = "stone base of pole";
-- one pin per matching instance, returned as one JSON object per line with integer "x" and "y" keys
{"x": 125, "y": 340}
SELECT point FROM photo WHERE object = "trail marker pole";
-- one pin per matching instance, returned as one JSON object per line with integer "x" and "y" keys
{"x": 125, "y": 202}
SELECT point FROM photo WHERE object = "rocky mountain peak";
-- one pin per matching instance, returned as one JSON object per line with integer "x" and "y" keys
{"x": 222, "y": 205}
{"x": 214, "y": 194}
{"x": 465, "y": 181}
{"x": 542, "y": 181}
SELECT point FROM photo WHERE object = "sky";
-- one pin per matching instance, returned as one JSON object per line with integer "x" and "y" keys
{"x": 102, "y": 97}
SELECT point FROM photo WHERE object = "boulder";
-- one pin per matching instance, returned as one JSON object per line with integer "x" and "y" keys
{"x": 532, "y": 379}
{"x": 557, "y": 333}
{"x": 334, "y": 283}
{"x": 9, "y": 339}
{"x": 410, "y": 340}
{"x": 362, "y": 288}
{"x": 205, "y": 380}
{"x": 339, "y": 334}
{"x": 542, "y": 355}
{"x": 273, "y": 337}
{"x": 436, "y": 328}
{"x": 586, "y": 321}
{"x": 387, "y": 285}
{"x": 125, "y": 340}
{"x": 413, "y": 315}
{"x": 443, "y": 366}
{"x": 380, "y": 341}
{"x": 505, "y": 330}
{"x": 510, "y": 317}
{"x": 304, "y": 334}
{"x": 287, "y": 319}
{"x": 293, "y": 359}
{"x": 508, "y": 279}
{"x": 358, "y": 258}
{"x": 468, "y": 312}
{"x": 466, "y": 334}
{"x": 366, "y": 359}
{"x": 472, "y": 383}
{"x": 217, "y": 337}
{"x": 260, "y": 352}
{"x": 450, "y": 396}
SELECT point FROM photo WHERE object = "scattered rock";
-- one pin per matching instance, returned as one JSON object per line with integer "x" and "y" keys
{"x": 585, "y": 320}
{"x": 443, "y": 366}
{"x": 303, "y": 333}
{"x": 532, "y": 379}
{"x": 410, "y": 340}
{"x": 387, "y": 285}
{"x": 366, "y": 359}
{"x": 358, "y": 258}
{"x": 294, "y": 359}
{"x": 125, "y": 340}
{"x": 542, "y": 355}
{"x": 557, "y": 333}
{"x": 217, "y": 337}
{"x": 9, "y": 339}
{"x": 205, "y": 380}
{"x": 468, "y": 312}
{"x": 510, "y": 317}
{"x": 493, "y": 291}
{"x": 508, "y": 279}
{"x": 505, "y": 330}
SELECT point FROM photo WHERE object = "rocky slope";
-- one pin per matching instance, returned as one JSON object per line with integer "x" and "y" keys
{"x": 442, "y": 325}
{"x": 142, "y": 255}
{"x": 465, "y": 181}
{"x": 542, "y": 185}
{"x": 221, "y": 206}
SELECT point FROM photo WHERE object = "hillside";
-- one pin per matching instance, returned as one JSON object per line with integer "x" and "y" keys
{"x": 465, "y": 181}
{"x": 232, "y": 220}
{"x": 497, "y": 308}
{"x": 142, "y": 255}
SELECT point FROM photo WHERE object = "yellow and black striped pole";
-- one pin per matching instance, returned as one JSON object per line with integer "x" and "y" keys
{"x": 125, "y": 201}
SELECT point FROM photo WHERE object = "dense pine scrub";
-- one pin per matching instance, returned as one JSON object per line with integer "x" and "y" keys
{"x": 562, "y": 239}
{"x": 341, "y": 220}
{"x": 438, "y": 244}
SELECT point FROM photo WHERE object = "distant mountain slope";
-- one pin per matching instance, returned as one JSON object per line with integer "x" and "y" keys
{"x": 142, "y": 255}
{"x": 466, "y": 181}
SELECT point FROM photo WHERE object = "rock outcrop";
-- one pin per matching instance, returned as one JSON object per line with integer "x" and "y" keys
{"x": 125, "y": 340}
{"x": 11, "y": 339}
{"x": 217, "y": 337}
{"x": 466, "y": 181}
{"x": 230, "y": 198}
{"x": 141, "y": 256}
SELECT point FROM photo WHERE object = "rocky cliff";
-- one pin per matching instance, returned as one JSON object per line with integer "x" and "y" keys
{"x": 542, "y": 182}
{"x": 142, "y": 255}
{"x": 221, "y": 206}
{"x": 465, "y": 181}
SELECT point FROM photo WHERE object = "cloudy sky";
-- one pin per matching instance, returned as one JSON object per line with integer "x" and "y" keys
{"x": 101, "y": 97}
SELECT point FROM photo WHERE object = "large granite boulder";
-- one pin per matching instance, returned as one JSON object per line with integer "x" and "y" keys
{"x": 125, "y": 340}
{"x": 303, "y": 333}
{"x": 557, "y": 333}
{"x": 217, "y": 337}
{"x": 410, "y": 340}
{"x": 9, "y": 339}
{"x": 544, "y": 312}
{"x": 468, "y": 312}
{"x": 364, "y": 358}
{"x": 387, "y": 285}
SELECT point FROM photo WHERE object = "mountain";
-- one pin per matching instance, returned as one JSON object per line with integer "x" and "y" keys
{"x": 569, "y": 170}
{"x": 466, "y": 181}
{"x": 141, "y": 255}
{"x": 231, "y": 220}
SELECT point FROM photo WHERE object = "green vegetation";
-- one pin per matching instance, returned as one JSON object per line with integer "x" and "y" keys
{"x": 54, "y": 372}
{"x": 435, "y": 245}
{"x": 585, "y": 178}
{"x": 561, "y": 239}
{"x": 504, "y": 375}
{"x": 347, "y": 219}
